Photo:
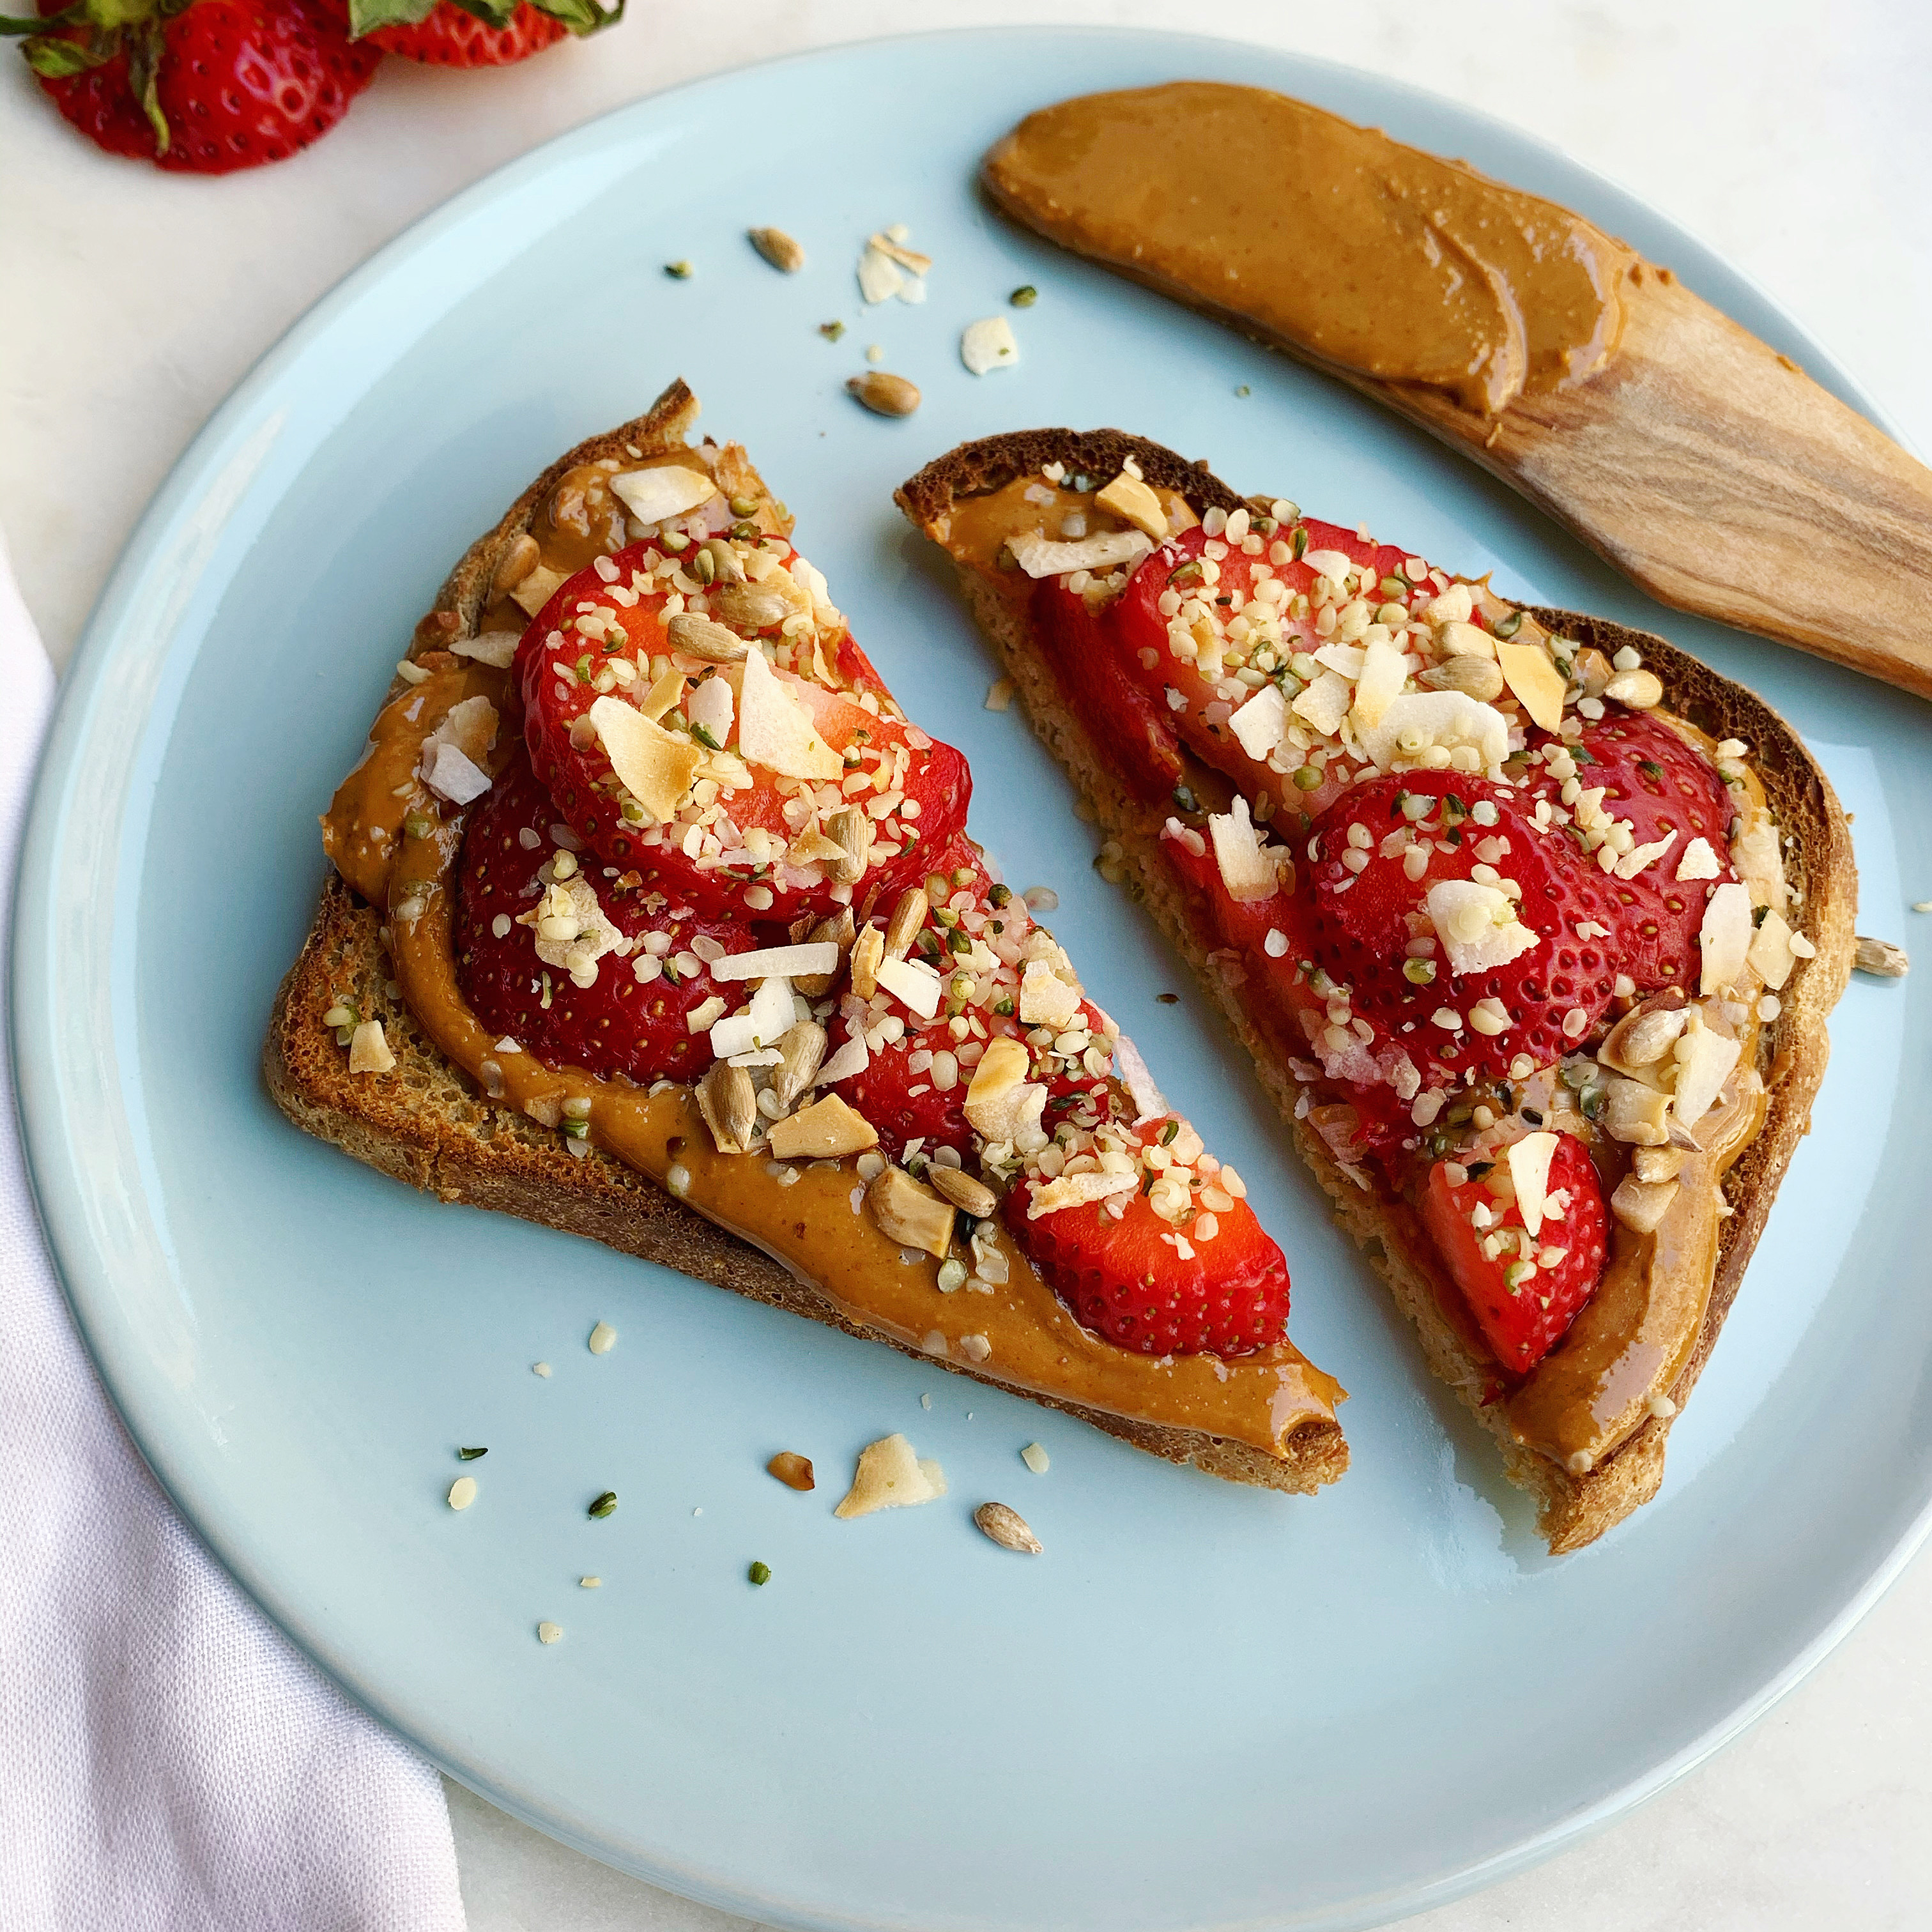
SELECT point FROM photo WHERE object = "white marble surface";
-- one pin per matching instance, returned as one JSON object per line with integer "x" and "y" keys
{"x": 1791, "y": 136}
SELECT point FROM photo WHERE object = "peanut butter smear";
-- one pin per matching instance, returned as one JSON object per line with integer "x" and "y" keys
{"x": 1335, "y": 241}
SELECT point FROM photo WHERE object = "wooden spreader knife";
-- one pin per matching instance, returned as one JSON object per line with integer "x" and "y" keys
{"x": 1706, "y": 466}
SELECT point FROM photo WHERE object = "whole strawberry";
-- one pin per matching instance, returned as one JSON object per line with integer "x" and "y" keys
{"x": 473, "y": 33}
{"x": 200, "y": 86}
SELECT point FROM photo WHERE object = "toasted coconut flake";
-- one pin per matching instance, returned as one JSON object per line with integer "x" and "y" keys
{"x": 890, "y": 1475}
{"x": 1039, "y": 556}
{"x": 656, "y": 767}
{"x": 776, "y": 731}
{"x": 1725, "y": 936}
{"x": 653, "y": 495}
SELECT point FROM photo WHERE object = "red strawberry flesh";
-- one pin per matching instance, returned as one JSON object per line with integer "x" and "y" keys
{"x": 615, "y": 1025}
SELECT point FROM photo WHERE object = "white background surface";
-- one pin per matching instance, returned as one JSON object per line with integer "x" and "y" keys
{"x": 1791, "y": 137}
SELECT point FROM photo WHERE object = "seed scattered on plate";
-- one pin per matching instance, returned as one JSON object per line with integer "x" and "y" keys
{"x": 760, "y": 1573}
{"x": 470, "y": 1455}
{"x": 540, "y": 1368}
{"x": 1035, "y": 1458}
{"x": 778, "y": 248}
{"x": 679, "y": 271}
{"x": 1007, "y": 1528}
{"x": 793, "y": 1471}
{"x": 605, "y": 1505}
{"x": 1025, "y": 296}
{"x": 463, "y": 1493}
{"x": 549, "y": 1633}
{"x": 603, "y": 1339}
{"x": 590, "y": 1582}
{"x": 831, "y": 330}
{"x": 884, "y": 394}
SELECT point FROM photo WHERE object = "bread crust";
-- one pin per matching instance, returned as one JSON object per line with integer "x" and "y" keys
{"x": 1573, "y": 1510}
{"x": 427, "y": 1124}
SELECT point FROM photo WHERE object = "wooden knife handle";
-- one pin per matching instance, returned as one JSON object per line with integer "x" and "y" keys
{"x": 1713, "y": 472}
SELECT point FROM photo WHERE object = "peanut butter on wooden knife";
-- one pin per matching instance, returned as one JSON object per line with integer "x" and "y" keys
{"x": 1706, "y": 466}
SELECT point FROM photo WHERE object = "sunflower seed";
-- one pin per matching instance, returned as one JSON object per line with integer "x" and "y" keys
{"x": 778, "y": 248}
{"x": 1007, "y": 1528}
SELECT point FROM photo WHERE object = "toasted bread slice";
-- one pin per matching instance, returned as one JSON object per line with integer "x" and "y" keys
{"x": 1574, "y": 1509}
{"x": 426, "y": 1123}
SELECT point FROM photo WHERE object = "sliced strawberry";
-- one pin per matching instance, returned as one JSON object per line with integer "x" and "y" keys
{"x": 1168, "y": 669}
{"x": 598, "y": 638}
{"x": 1523, "y": 1291}
{"x": 1658, "y": 784}
{"x": 1150, "y": 1285}
{"x": 914, "y": 1089}
{"x": 616, "y": 1024}
{"x": 1137, "y": 728}
{"x": 1367, "y": 907}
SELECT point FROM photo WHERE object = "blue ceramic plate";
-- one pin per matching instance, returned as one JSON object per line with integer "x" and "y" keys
{"x": 1206, "y": 1706}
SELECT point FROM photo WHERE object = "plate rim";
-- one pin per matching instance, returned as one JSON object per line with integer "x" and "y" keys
{"x": 40, "y": 1101}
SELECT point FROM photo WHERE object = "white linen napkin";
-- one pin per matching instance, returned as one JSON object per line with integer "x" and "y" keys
{"x": 168, "y": 1762}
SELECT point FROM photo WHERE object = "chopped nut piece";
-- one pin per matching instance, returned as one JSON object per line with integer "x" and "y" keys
{"x": 1640, "y": 1205}
{"x": 1129, "y": 499}
{"x": 793, "y": 1471}
{"x": 909, "y": 1214}
{"x": 369, "y": 1048}
{"x": 890, "y": 1476}
{"x": 778, "y": 248}
{"x": 535, "y": 589}
{"x": 884, "y": 394}
{"x": 516, "y": 563}
{"x": 1657, "y": 1163}
{"x": 868, "y": 949}
{"x": 1008, "y": 1529}
{"x": 962, "y": 1190}
{"x": 1879, "y": 957}
{"x": 1641, "y": 690}
{"x": 759, "y": 606}
{"x": 1479, "y": 678}
{"x": 823, "y": 1131}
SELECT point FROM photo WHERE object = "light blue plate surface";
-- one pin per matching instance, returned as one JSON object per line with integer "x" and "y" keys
{"x": 1207, "y": 1705}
